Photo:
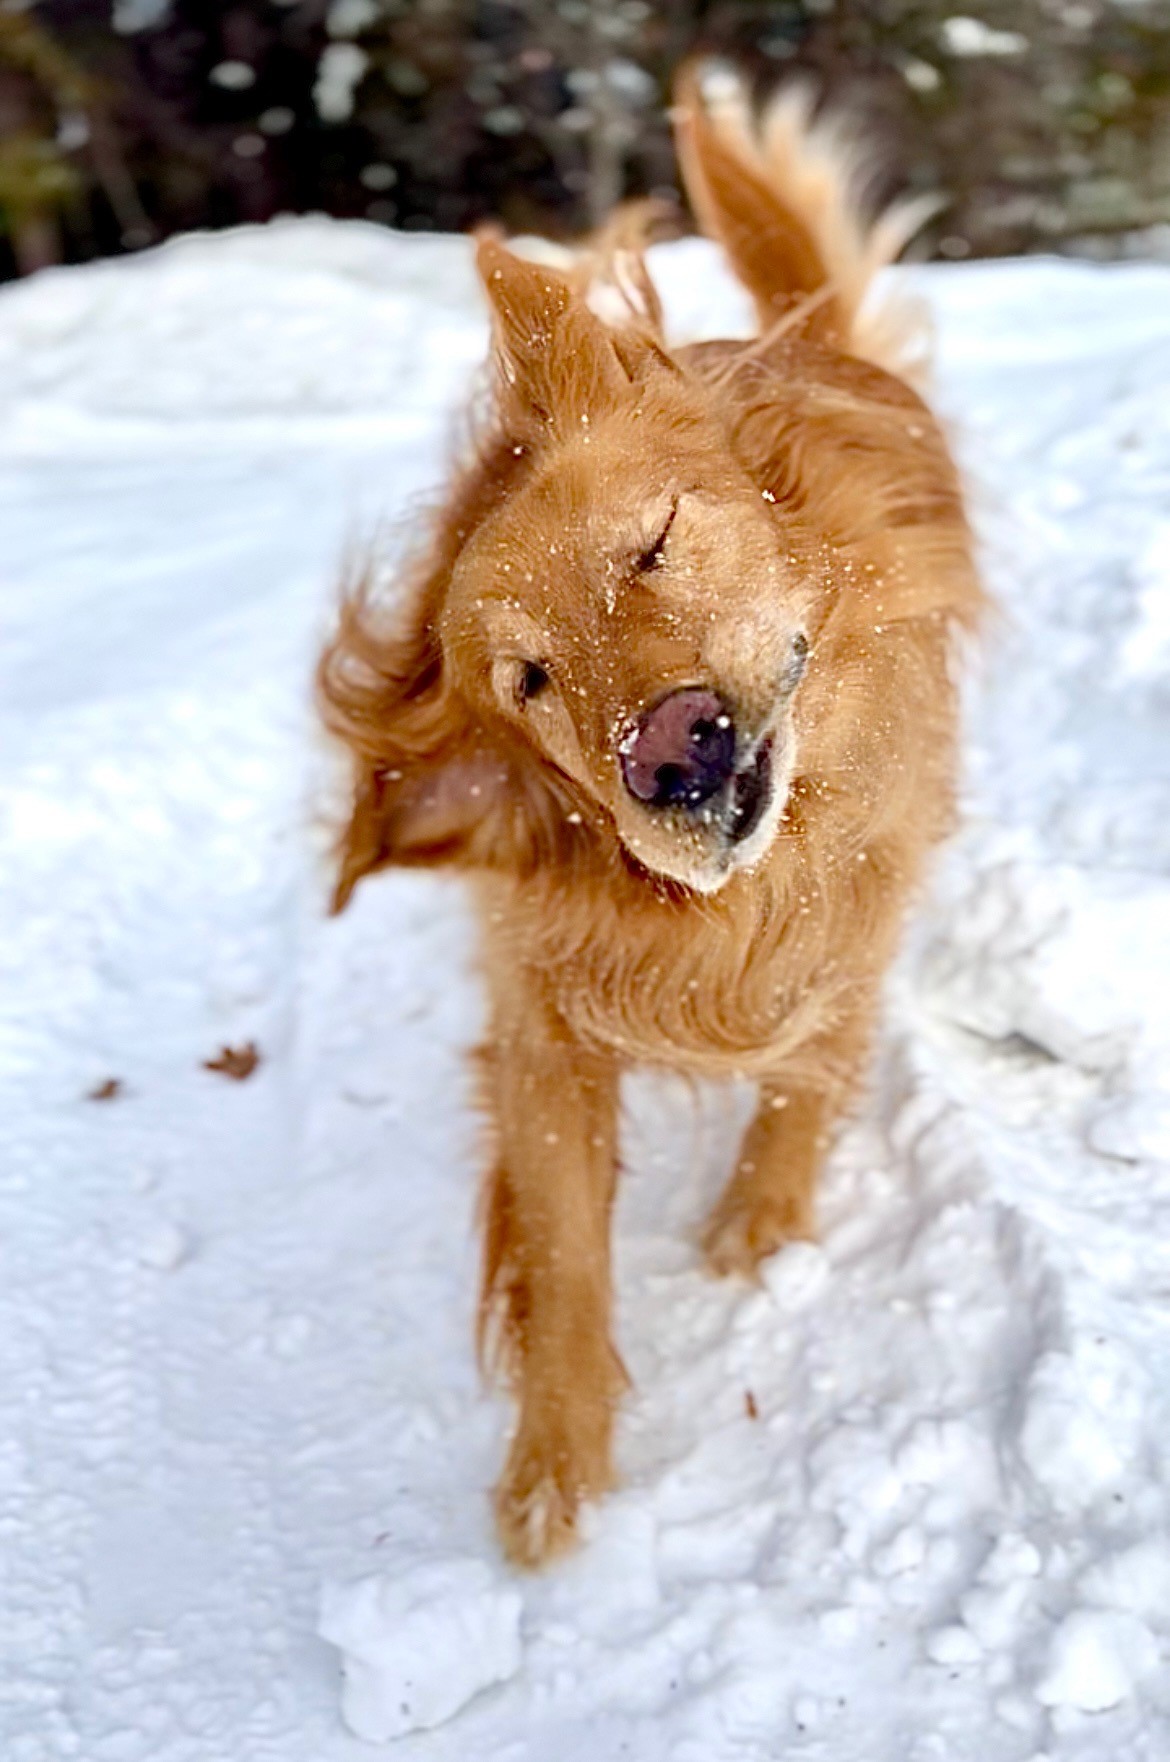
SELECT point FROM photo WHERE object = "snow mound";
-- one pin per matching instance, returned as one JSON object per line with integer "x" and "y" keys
{"x": 419, "y": 1646}
{"x": 259, "y": 321}
{"x": 1096, "y": 1659}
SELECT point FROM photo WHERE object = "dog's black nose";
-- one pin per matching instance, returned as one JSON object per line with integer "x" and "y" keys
{"x": 681, "y": 752}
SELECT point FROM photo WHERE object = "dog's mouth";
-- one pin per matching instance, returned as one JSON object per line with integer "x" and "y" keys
{"x": 730, "y": 831}
{"x": 751, "y": 794}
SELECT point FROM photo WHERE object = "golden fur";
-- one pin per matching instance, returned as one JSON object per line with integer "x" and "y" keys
{"x": 635, "y": 519}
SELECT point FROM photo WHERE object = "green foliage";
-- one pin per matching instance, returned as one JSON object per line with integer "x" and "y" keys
{"x": 35, "y": 178}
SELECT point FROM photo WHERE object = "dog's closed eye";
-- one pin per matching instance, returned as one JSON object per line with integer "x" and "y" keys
{"x": 652, "y": 556}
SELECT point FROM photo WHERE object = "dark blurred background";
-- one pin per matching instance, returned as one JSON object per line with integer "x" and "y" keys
{"x": 1044, "y": 123}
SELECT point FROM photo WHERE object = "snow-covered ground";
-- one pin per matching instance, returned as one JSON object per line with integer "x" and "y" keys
{"x": 235, "y": 1317}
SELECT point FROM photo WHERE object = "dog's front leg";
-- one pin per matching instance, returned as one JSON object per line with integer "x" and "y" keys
{"x": 771, "y": 1198}
{"x": 546, "y": 1288}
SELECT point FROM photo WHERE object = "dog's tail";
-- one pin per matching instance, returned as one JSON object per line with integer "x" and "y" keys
{"x": 783, "y": 194}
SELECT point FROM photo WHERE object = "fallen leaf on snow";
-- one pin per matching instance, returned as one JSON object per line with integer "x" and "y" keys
{"x": 237, "y": 1062}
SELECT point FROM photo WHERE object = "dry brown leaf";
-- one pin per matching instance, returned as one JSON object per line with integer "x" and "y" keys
{"x": 107, "y": 1091}
{"x": 749, "y": 1402}
{"x": 236, "y": 1062}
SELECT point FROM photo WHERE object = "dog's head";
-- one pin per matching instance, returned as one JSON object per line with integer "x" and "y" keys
{"x": 624, "y": 628}
{"x": 630, "y": 608}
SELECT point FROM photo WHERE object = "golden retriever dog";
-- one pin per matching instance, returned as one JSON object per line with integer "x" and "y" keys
{"x": 672, "y": 682}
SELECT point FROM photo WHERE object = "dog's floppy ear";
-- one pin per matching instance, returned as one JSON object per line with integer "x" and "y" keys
{"x": 556, "y": 361}
{"x": 431, "y": 786}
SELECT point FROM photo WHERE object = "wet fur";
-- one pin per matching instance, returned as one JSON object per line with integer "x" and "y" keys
{"x": 593, "y": 960}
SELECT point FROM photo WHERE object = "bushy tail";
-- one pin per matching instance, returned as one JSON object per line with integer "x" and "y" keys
{"x": 781, "y": 194}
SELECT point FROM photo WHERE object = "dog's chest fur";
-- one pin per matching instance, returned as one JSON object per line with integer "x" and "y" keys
{"x": 721, "y": 986}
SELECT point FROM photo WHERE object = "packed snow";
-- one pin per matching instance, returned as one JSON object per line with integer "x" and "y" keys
{"x": 421, "y": 1642}
{"x": 905, "y": 1501}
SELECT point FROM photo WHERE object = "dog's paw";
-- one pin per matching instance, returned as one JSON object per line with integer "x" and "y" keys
{"x": 536, "y": 1519}
{"x": 745, "y": 1229}
{"x": 540, "y": 1496}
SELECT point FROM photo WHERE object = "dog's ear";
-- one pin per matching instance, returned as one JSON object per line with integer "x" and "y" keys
{"x": 467, "y": 805}
{"x": 431, "y": 787}
{"x": 556, "y": 361}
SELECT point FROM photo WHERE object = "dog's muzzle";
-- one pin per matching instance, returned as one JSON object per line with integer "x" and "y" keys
{"x": 684, "y": 753}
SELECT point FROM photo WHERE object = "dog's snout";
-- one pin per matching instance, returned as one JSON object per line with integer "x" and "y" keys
{"x": 681, "y": 752}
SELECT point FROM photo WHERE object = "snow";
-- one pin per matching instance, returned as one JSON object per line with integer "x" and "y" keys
{"x": 339, "y": 73}
{"x": 970, "y": 36}
{"x": 421, "y": 1644}
{"x": 905, "y": 1501}
{"x": 1095, "y": 1658}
